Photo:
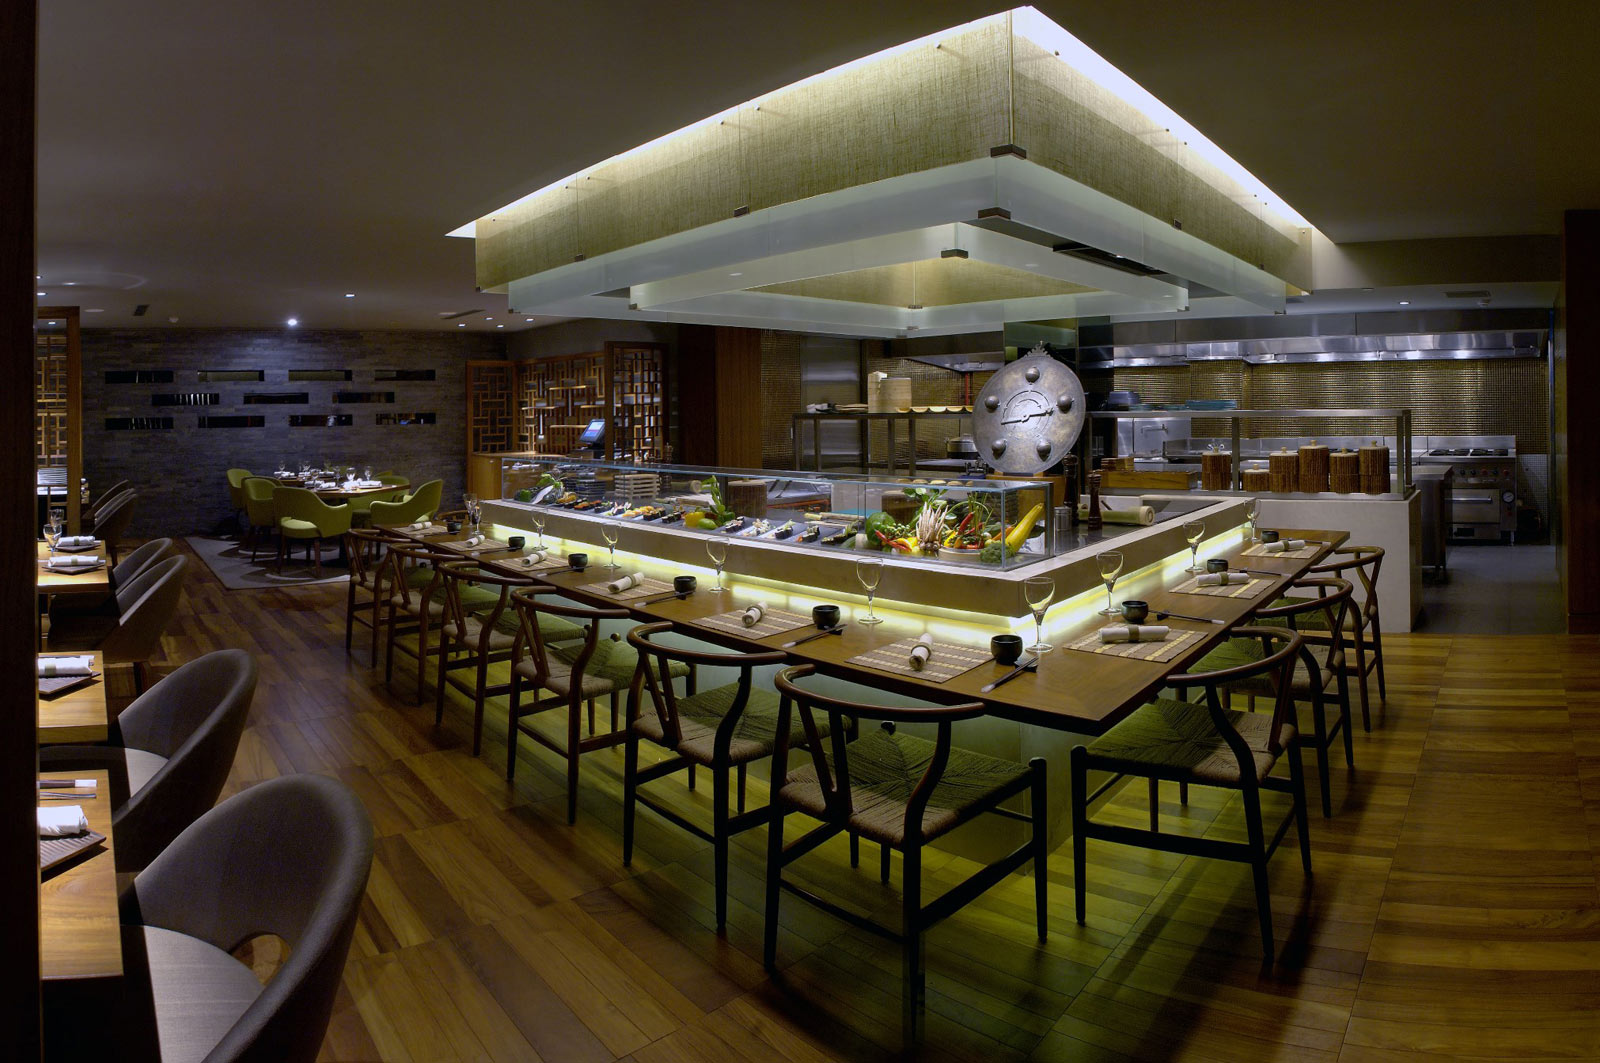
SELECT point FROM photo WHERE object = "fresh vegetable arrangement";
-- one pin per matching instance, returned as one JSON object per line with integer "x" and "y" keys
{"x": 942, "y": 525}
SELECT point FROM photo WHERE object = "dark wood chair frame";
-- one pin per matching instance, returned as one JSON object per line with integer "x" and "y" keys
{"x": 1257, "y": 849}
{"x": 458, "y": 653}
{"x": 364, "y": 549}
{"x": 1366, "y": 633}
{"x": 414, "y": 615}
{"x": 529, "y": 603}
{"x": 916, "y": 917}
{"x": 724, "y": 823}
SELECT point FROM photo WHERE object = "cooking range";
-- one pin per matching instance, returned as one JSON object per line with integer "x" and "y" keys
{"x": 1483, "y": 504}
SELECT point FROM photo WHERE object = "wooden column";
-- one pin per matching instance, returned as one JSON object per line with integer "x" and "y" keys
{"x": 719, "y": 395}
{"x": 19, "y": 618}
{"x": 1576, "y": 453}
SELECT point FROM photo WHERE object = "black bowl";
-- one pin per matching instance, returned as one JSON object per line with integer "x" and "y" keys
{"x": 517, "y": 542}
{"x": 825, "y": 616}
{"x": 683, "y": 584}
{"x": 452, "y": 526}
{"x": 1269, "y": 536}
{"x": 1007, "y": 649}
{"x": 578, "y": 562}
{"x": 1216, "y": 564}
{"x": 1134, "y": 611}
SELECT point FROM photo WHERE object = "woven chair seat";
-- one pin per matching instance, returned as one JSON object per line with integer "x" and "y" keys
{"x": 1317, "y": 619}
{"x": 885, "y": 768}
{"x": 698, "y": 717}
{"x": 610, "y": 668}
{"x": 1237, "y": 652}
{"x": 1181, "y": 739}
{"x": 507, "y": 626}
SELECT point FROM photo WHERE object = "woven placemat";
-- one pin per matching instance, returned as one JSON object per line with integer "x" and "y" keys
{"x": 944, "y": 663}
{"x": 1176, "y": 641}
{"x": 1248, "y": 589}
{"x": 1260, "y": 550}
{"x": 488, "y": 546}
{"x": 643, "y": 590}
{"x": 773, "y": 622}
{"x": 514, "y": 564}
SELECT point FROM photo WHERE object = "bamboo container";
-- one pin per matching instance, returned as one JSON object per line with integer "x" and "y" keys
{"x": 748, "y": 498}
{"x": 1344, "y": 471}
{"x": 1257, "y": 481}
{"x": 899, "y": 505}
{"x": 1284, "y": 470}
{"x": 1313, "y": 467}
{"x": 1216, "y": 470}
{"x": 1374, "y": 469}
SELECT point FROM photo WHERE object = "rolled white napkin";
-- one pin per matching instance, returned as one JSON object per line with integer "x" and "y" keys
{"x": 1219, "y": 579}
{"x": 1290, "y": 545}
{"x": 921, "y": 652}
{"x": 531, "y": 559}
{"x": 74, "y": 562}
{"x": 752, "y": 616}
{"x": 77, "y": 542}
{"x": 51, "y": 667}
{"x": 419, "y": 525}
{"x": 628, "y": 582}
{"x": 1134, "y": 633}
{"x": 61, "y": 821}
{"x": 474, "y": 540}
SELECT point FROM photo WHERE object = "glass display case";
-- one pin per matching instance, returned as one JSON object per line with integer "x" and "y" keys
{"x": 961, "y": 523}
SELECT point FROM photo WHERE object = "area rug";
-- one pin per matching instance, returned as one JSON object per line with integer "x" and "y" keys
{"x": 231, "y": 564}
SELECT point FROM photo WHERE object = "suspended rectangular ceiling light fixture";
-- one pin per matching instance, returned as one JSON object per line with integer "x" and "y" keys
{"x": 988, "y": 145}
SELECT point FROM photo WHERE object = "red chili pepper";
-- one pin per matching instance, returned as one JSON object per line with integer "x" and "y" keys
{"x": 882, "y": 537}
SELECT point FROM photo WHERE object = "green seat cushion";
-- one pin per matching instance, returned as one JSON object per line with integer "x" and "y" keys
{"x": 700, "y": 714}
{"x": 295, "y": 528}
{"x": 1179, "y": 740}
{"x": 885, "y": 768}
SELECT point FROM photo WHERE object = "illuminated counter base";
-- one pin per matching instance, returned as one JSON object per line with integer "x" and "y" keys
{"x": 980, "y": 595}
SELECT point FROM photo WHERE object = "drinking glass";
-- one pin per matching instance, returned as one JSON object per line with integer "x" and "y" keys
{"x": 870, "y": 573}
{"x": 1251, "y": 516}
{"x": 538, "y": 525}
{"x": 474, "y": 510}
{"x": 609, "y": 534}
{"x": 1039, "y": 592}
{"x": 1193, "y": 532}
{"x": 717, "y": 550}
{"x": 53, "y": 528}
{"x": 1110, "y": 563}
{"x": 366, "y": 473}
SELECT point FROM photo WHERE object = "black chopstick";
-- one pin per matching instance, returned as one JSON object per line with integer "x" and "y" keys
{"x": 1162, "y": 614}
{"x": 1025, "y": 666}
{"x": 814, "y": 635}
{"x": 664, "y": 597}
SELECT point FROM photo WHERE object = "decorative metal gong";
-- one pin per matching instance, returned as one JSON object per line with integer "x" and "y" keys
{"x": 1029, "y": 415}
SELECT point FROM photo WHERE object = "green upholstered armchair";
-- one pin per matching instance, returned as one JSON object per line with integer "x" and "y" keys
{"x": 304, "y": 516}
{"x": 416, "y": 506}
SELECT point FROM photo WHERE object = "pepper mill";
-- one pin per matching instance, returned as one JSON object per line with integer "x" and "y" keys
{"x": 1094, "y": 520}
{"x": 1069, "y": 471}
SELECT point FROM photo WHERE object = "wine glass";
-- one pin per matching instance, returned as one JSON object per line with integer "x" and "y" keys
{"x": 1193, "y": 532}
{"x": 537, "y": 520}
{"x": 717, "y": 550}
{"x": 1039, "y": 592}
{"x": 1110, "y": 562}
{"x": 53, "y": 528}
{"x": 1252, "y": 517}
{"x": 609, "y": 534}
{"x": 366, "y": 473}
{"x": 474, "y": 508}
{"x": 870, "y": 573}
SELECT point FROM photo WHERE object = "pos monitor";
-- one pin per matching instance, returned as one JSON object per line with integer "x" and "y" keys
{"x": 594, "y": 435}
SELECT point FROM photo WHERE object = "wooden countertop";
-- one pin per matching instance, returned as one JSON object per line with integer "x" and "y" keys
{"x": 53, "y": 582}
{"x": 80, "y": 933}
{"x": 79, "y": 714}
{"x": 1072, "y": 690}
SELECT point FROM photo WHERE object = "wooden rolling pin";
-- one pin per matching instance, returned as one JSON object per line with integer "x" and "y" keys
{"x": 1313, "y": 467}
{"x": 1284, "y": 471}
{"x": 1374, "y": 469}
{"x": 1344, "y": 471}
{"x": 1257, "y": 481}
{"x": 1216, "y": 470}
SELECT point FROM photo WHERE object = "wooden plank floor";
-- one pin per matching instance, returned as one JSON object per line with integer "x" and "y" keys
{"x": 1453, "y": 913}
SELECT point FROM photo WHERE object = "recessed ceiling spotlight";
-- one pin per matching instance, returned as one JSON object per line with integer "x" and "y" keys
{"x": 349, "y": 295}
{"x": 488, "y": 319}
{"x": 1405, "y": 302}
{"x": 41, "y": 294}
{"x": 172, "y": 321}
{"x": 529, "y": 320}
{"x": 461, "y": 324}
{"x": 499, "y": 326}
{"x": 293, "y": 321}
{"x": 69, "y": 283}
{"x": 737, "y": 273}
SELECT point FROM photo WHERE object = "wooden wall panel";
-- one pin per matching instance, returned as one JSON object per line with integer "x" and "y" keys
{"x": 1579, "y": 370}
{"x": 19, "y": 618}
{"x": 738, "y": 362}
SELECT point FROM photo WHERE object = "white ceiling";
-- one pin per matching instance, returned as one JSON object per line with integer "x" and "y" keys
{"x": 234, "y": 164}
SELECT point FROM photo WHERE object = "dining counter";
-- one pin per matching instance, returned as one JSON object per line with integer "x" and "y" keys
{"x": 80, "y": 933}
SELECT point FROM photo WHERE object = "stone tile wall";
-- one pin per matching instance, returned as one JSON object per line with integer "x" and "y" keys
{"x": 180, "y": 470}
